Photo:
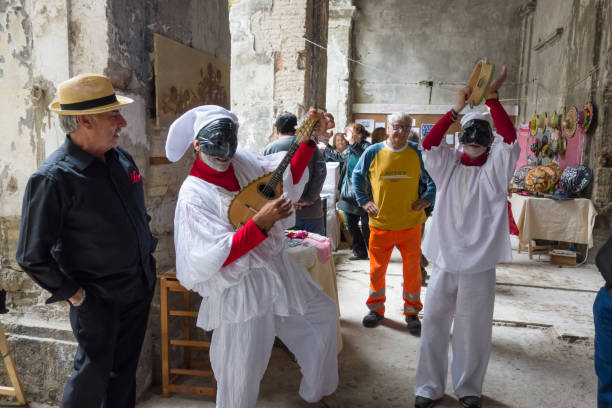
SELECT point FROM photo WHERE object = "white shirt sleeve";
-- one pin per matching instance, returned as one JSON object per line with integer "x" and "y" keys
{"x": 439, "y": 162}
{"x": 501, "y": 163}
{"x": 202, "y": 245}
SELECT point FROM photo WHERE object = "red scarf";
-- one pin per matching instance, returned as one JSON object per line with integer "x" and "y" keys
{"x": 226, "y": 179}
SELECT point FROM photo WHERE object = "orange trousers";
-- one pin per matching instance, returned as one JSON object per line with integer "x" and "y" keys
{"x": 408, "y": 242}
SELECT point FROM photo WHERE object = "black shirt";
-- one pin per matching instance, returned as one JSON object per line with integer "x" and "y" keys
{"x": 84, "y": 224}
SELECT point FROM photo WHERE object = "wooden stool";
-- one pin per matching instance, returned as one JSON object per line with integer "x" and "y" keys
{"x": 16, "y": 390}
{"x": 170, "y": 376}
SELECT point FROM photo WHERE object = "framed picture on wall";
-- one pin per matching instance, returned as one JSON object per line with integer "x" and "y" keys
{"x": 425, "y": 128}
{"x": 185, "y": 78}
{"x": 368, "y": 124}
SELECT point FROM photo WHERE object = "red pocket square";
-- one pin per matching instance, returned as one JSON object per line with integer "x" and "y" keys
{"x": 135, "y": 177}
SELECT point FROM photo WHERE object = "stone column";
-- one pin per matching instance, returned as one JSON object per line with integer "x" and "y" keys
{"x": 274, "y": 68}
{"x": 339, "y": 47}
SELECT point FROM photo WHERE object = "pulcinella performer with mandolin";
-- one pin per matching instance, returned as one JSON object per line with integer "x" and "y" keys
{"x": 229, "y": 225}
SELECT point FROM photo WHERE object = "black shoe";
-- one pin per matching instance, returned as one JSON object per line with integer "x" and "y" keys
{"x": 470, "y": 402}
{"x": 424, "y": 402}
{"x": 357, "y": 258}
{"x": 423, "y": 276}
{"x": 372, "y": 319}
{"x": 414, "y": 325}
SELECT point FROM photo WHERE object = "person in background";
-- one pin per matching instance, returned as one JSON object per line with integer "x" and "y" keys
{"x": 468, "y": 236}
{"x": 396, "y": 213}
{"x": 602, "y": 314}
{"x": 309, "y": 215}
{"x": 338, "y": 151}
{"x": 339, "y": 145}
{"x": 379, "y": 135}
{"x": 356, "y": 217}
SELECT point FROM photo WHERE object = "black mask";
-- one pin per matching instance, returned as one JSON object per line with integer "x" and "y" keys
{"x": 476, "y": 131}
{"x": 219, "y": 138}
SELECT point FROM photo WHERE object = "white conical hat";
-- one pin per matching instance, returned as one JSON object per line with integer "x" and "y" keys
{"x": 184, "y": 130}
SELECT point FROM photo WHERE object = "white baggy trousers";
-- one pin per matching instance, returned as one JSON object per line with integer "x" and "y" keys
{"x": 239, "y": 352}
{"x": 469, "y": 299}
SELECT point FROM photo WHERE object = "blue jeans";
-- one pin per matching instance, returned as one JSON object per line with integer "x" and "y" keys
{"x": 316, "y": 225}
{"x": 602, "y": 314}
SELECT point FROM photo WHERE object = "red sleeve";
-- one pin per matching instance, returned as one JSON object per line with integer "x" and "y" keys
{"x": 436, "y": 134}
{"x": 300, "y": 159}
{"x": 503, "y": 124}
{"x": 245, "y": 239}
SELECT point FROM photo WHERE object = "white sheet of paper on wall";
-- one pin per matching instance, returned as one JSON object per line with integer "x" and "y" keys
{"x": 450, "y": 138}
{"x": 368, "y": 124}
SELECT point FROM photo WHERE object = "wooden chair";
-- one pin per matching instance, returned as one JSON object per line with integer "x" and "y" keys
{"x": 16, "y": 390}
{"x": 191, "y": 368}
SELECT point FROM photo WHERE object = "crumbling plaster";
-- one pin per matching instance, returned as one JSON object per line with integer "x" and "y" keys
{"x": 252, "y": 73}
{"x": 42, "y": 43}
{"x": 339, "y": 49}
{"x": 274, "y": 69}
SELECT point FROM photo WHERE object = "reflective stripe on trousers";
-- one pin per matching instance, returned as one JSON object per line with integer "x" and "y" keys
{"x": 408, "y": 242}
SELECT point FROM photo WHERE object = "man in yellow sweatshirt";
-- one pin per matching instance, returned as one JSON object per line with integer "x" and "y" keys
{"x": 396, "y": 213}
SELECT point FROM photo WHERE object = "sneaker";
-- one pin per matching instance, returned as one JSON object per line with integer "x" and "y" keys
{"x": 424, "y": 402}
{"x": 372, "y": 319}
{"x": 471, "y": 401}
{"x": 414, "y": 325}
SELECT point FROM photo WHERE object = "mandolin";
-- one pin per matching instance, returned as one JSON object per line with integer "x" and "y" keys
{"x": 268, "y": 187}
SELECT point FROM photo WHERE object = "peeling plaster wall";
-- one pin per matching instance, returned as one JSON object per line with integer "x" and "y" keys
{"x": 273, "y": 68}
{"x": 42, "y": 43}
{"x": 562, "y": 73}
{"x": 253, "y": 63}
{"x": 338, "y": 93}
{"x": 88, "y": 36}
{"x": 439, "y": 40}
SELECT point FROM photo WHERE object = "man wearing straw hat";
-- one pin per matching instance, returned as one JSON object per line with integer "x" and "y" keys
{"x": 85, "y": 238}
{"x": 252, "y": 291}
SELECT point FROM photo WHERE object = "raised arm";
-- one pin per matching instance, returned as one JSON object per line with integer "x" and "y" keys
{"x": 300, "y": 160}
{"x": 503, "y": 124}
{"x": 436, "y": 134}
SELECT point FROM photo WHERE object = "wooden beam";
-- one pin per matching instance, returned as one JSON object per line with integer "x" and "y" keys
{"x": 157, "y": 160}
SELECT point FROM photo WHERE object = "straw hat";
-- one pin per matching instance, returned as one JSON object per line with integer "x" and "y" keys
{"x": 554, "y": 120}
{"x": 479, "y": 82}
{"x": 570, "y": 121}
{"x": 87, "y": 94}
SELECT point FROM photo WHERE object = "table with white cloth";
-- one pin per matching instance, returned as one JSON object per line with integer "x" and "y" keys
{"x": 322, "y": 272}
{"x": 553, "y": 220}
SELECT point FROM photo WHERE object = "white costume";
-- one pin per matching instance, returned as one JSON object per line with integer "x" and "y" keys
{"x": 469, "y": 235}
{"x": 260, "y": 295}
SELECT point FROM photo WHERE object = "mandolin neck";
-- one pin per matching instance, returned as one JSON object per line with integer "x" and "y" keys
{"x": 302, "y": 134}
